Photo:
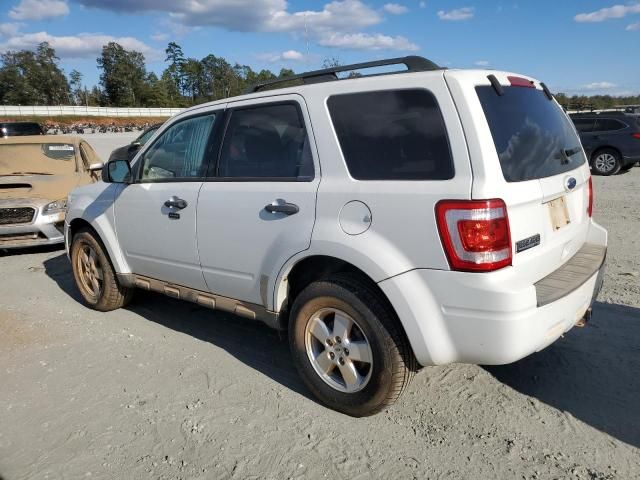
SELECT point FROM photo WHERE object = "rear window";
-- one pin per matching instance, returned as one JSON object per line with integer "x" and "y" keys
{"x": 19, "y": 129}
{"x": 533, "y": 137}
{"x": 392, "y": 135}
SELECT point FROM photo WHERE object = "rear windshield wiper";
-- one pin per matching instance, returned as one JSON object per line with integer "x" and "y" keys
{"x": 566, "y": 153}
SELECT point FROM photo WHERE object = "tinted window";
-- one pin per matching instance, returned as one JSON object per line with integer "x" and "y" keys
{"x": 179, "y": 152}
{"x": 19, "y": 129}
{"x": 584, "y": 125}
{"x": 392, "y": 135}
{"x": 608, "y": 124}
{"x": 530, "y": 132}
{"x": 268, "y": 141}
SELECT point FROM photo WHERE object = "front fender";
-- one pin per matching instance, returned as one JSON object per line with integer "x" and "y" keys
{"x": 94, "y": 204}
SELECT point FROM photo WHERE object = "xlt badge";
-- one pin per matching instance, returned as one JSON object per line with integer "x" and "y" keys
{"x": 528, "y": 243}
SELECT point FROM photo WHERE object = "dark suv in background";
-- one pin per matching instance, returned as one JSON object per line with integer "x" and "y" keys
{"x": 611, "y": 140}
{"x": 17, "y": 129}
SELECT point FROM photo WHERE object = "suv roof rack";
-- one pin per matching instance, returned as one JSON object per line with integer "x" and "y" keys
{"x": 608, "y": 113}
{"x": 413, "y": 63}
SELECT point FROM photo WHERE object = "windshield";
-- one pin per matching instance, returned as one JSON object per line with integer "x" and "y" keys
{"x": 142, "y": 139}
{"x": 532, "y": 135}
{"x": 37, "y": 158}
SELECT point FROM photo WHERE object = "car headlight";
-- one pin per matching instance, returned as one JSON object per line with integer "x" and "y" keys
{"x": 59, "y": 206}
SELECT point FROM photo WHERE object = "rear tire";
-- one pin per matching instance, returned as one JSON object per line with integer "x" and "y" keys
{"x": 94, "y": 275}
{"x": 606, "y": 161}
{"x": 348, "y": 346}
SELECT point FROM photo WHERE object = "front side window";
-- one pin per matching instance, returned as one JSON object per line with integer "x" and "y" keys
{"x": 584, "y": 125}
{"x": 179, "y": 153}
{"x": 266, "y": 141}
{"x": 392, "y": 135}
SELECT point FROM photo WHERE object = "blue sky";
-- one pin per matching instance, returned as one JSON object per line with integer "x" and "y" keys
{"x": 575, "y": 46}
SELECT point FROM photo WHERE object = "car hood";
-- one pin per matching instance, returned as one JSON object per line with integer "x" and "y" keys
{"x": 52, "y": 187}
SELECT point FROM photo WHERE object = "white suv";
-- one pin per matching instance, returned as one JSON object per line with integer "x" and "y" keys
{"x": 389, "y": 221}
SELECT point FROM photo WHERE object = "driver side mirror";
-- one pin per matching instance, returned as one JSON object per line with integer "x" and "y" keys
{"x": 117, "y": 171}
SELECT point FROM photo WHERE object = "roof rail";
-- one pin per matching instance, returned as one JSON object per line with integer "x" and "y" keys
{"x": 413, "y": 63}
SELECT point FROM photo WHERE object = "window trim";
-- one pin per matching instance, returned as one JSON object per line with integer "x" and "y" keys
{"x": 383, "y": 90}
{"x": 209, "y": 149}
{"x": 213, "y": 173}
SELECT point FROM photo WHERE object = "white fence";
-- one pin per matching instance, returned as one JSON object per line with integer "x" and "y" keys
{"x": 56, "y": 111}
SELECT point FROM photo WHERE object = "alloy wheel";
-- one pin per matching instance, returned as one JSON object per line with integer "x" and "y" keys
{"x": 338, "y": 350}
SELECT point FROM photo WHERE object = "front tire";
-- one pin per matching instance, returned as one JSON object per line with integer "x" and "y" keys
{"x": 94, "y": 275}
{"x": 348, "y": 346}
{"x": 606, "y": 162}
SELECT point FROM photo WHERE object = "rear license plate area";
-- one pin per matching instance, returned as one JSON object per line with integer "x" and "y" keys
{"x": 559, "y": 213}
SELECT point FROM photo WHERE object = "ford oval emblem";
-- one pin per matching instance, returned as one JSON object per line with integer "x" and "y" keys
{"x": 571, "y": 183}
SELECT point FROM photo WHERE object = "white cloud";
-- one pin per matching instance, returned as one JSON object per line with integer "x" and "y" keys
{"x": 599, "y": 86}
{"x": 616, "y": 11}
{"x": 464, "y": 13}
{"x": 365, "y": 41}
{"x": 395, "y": 8}
{"x": 9, "y": 29}
{"x": 39, "y": 9}
{"x": 633, "y": 27}
{"x": 83, "y": 45}
{"x": 338, "y": 23}
{"x": 288, "y": 55}
{"x": 481, "y": 63}
{"x": 159, "y": 37}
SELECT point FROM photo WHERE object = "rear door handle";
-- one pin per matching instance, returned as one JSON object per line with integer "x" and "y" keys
{"x": 175, "y": 202}
{"x": 286, "y": 208}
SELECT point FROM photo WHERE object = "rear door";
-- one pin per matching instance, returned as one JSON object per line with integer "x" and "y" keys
{"x": 527, "y": 152}
{"x": 257, "y": 208}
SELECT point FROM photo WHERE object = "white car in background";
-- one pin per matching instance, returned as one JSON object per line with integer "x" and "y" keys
{"x": 389, "y": 221}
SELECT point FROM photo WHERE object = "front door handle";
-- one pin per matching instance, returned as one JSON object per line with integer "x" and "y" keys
{"x": 175, "y": 202}
{"x": 286, "y": 208}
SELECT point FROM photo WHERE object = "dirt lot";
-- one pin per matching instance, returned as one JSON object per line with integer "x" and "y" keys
{"x": 166, "y": 389}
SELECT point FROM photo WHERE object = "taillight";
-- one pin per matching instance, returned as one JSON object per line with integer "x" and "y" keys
{"x": 636, "y": 135}
{"x": 590, "y": 199}
{"x": 520, "y": 82}
{"x": 475, "y": 234}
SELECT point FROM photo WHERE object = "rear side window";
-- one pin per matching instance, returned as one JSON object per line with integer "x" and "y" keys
{"x": 532, "y": 135}
{"x": 266, "y": 142}
{"x": 609, "y": 125}
{"x": 392, "y": 135}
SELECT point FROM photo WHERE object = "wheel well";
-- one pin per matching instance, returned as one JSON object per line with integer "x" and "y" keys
{"x": 600, "y": 149}
{"x": 78, "y": 223}
{"x": 320, "y": 267}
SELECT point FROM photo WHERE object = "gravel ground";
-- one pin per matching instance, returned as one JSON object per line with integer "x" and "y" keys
{"x": 168, "y": 390}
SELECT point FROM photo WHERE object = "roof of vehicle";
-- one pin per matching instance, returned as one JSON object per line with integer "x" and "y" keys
{"x": 39, "y": 139}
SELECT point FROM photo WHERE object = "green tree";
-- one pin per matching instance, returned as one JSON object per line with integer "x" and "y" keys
{"x": 176, "y": 60}
{"x": 123, "y": 75}
{"x": 33, "y": 78}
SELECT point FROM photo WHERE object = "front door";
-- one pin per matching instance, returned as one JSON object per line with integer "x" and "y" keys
{"x": 258, "y": 208}
{"x": 156, "y": 216}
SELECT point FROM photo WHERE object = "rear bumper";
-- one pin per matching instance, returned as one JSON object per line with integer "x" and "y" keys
{"x": 487, "y": 319}
{"x": 42, "y": 230}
